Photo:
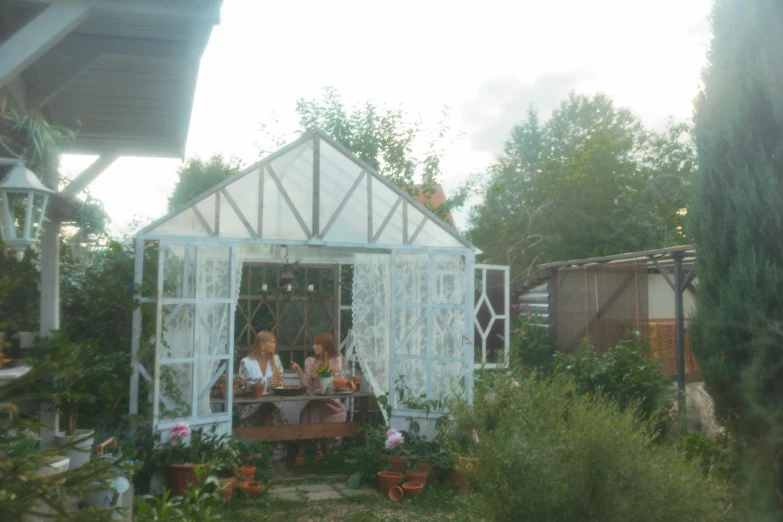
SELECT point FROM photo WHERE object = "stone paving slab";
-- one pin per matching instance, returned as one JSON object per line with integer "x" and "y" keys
{"x": 287, "y": 495}
{"x": 357, "y": 492}
{"x": 330, "y": 494}
{"x": 282, "y": 489}
{"x": 315, "y": 487}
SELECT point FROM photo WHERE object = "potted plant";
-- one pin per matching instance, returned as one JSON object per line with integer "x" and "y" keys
{"x": 71, "y": 367}
{"x": 396, "y": 449}
{"x": 187, "y": 450}
{"x": 459, "y": 453}
{"x": 326, "y": 372}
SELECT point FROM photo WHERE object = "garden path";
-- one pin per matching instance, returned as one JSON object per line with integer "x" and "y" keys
{"x": 318, "y": 491}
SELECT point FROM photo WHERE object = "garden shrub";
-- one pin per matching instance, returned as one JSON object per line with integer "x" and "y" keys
{"x": 627, "y": 373}
{"x": 547, "y": 452}
{"x": 532, "y": 346}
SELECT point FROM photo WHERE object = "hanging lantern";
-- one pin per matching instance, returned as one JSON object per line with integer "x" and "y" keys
{"x": 23, "y": 200}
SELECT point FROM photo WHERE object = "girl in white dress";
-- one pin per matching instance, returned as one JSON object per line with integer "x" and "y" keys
{"x": 262, "y": 364}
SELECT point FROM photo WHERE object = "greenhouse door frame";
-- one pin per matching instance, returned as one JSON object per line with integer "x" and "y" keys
{"x": 430, "y": 314}
{"x": 225, "y": 360}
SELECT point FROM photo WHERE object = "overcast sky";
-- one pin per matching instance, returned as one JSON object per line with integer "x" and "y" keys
{"x": 487, "y": 60}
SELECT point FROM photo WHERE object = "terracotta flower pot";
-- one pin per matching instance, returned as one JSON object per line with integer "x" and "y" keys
{"x": 388, "y": 479}
{"x": 418, "y": 476}
{"x": 248, "y": 472}
{"x": 395, "y": 494}
{"x": 179, "y": 477}
{"x": 459, "y": 475}
{"x": 398, "y": 463}
{"x": 228, "y": 491}
{"x": 424, "y": 466}
{"x": 253, "y": 488}
{"x": 413, "y": 489}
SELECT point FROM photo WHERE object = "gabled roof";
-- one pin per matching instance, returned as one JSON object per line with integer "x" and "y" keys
{"x": 313, "y": 191}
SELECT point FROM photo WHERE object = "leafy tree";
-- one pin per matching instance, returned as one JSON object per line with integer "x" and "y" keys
{"x": 737, "y": 224}
{"x": 386, "y": 139}
{"x": 590, "y": 181}
{"x": 197, "y": 176}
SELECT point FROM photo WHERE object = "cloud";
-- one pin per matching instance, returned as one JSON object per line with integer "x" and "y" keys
{"x": 503, "y": 103}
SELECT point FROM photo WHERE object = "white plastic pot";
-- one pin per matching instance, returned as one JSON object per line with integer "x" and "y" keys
{"x": 80, "y": 452}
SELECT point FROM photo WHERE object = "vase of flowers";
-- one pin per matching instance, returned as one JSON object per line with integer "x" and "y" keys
{"x": 326, "y": 373}
{"x": 397, "y": 451}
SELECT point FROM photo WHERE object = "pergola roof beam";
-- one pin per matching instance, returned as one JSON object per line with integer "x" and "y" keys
{"x": 42, "y": 93}
{"x": 89, "y": 174}
{"x": 182, "y": 9}
{"x": 34, "y": 39}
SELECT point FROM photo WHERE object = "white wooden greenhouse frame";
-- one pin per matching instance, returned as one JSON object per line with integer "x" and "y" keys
{"x": 315, "y": 197}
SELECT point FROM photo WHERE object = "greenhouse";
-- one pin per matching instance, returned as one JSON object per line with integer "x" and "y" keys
{"x": 310, "y": 239}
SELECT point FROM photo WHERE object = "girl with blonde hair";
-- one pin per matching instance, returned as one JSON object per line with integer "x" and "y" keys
{"x": 263, "y": 365}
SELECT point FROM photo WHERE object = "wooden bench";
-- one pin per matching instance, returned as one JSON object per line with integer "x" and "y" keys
{"x": 327, "y": 430}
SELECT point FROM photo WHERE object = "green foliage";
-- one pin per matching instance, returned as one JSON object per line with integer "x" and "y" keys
{"x": 737, "y": 226}
{"x": 547, "y": 452}
{"x": 203, "y": 447}
{"x": 532, "y": 344}
{"x": 626, "y": 373}
{"x": 197, "y": 176}
{"x": 71, "y": 367}
{"x": 26, "y": 486}
{"x": 387, "y": 140}
{"x": 19, "y": 294}
{"x": 590, "y": 181}
{"x": 365, "y": 458}
{"x": 199, "y": 504}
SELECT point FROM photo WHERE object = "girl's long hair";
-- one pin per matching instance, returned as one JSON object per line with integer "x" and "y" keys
{"x": 326, "y": 341}
{"x": 257, "y": 350}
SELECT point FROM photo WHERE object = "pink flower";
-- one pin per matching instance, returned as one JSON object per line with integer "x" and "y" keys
{"x": 515, "y": 307}
{"x": 180, "y": 431}
{"x": 394, "y": 440}
{"x": 514, "y": 384}
{"x": 475, "y": 436}
{"x": 390, "y": 432}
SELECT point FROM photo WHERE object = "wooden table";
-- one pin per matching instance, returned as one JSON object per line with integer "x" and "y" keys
{"x": 304, "y": 431}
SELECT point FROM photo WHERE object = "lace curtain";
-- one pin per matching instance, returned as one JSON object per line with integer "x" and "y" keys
{"x": 371, "y": 313}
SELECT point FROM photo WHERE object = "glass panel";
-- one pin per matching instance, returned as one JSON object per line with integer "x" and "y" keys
{"x": 449, "y": 280}
{"x": 448, "y": 333}
{"x": 415, "y": 218}
{"x": 207, "y": 209}
{"x": 294, "y": 169}
{"x": 410, "y": 383}
{"x": 175, "y": 271}
{"x": 37, "y": 215}
{"x": 175, "y": 390}
{"x": 411, "y": 281}
{"x": 17, "y": 202}
{"x": 214, "y": 273}
{"x": 320, "y": 320}
{"x": 392, "y": 234}
{"x": 446, "y": 378}
{"x": 406, "y": 319}
{"x": 178, "y": 324}
{"x": 211, "y": 386}
{"x": 346, "y": 323}
{"x": 213, "y": 329}
{"x": 279, "y": 220}
{"x": 495, "y": 343}
{"x": 338, "y": 174}
{"x": 351, "y": 224}
{"x": 230, "y": 223}
{"x": 184, "y": 224}
{"x": 245, "y": 192}
{"x": 433, "y": 234}
{"x": 496, "y": 291}
{"x": 346, "y": 285}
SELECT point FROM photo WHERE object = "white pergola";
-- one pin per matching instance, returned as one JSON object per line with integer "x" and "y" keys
{"x": 414, "y": 299}
{"x": 122, "y": 72}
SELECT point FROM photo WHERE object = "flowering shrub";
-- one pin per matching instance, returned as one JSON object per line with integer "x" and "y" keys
{"x": 180, "y": 432}
{"x": 395, "y": 443}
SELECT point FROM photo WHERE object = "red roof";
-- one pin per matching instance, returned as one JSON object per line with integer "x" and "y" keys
{"x": 437, "y": 199}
